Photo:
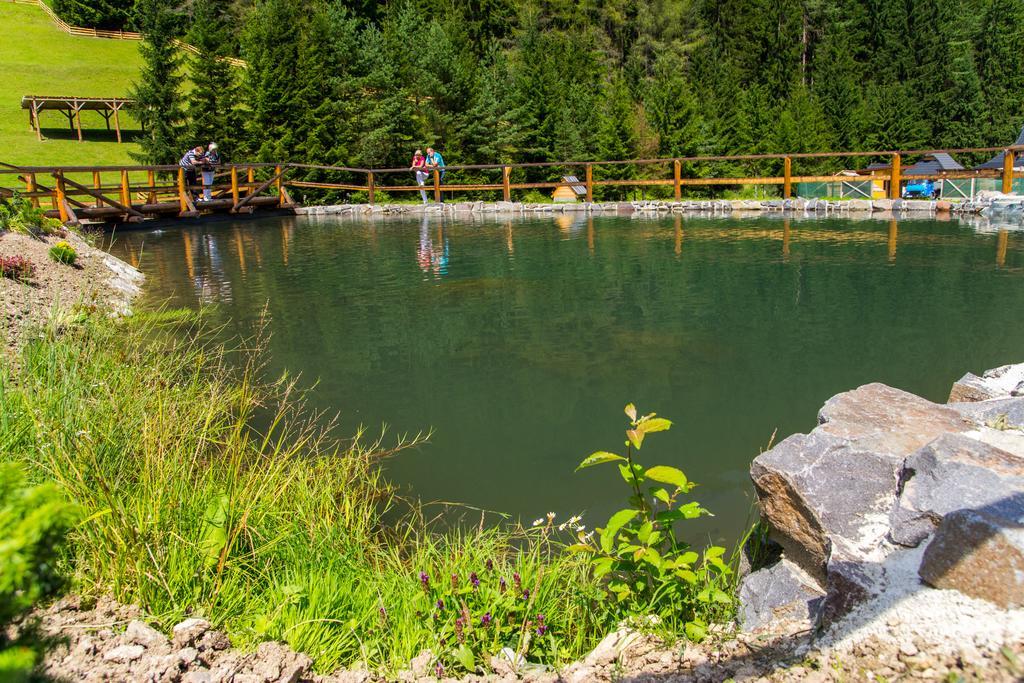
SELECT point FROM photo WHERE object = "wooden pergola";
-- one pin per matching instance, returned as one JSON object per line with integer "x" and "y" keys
{"x": 72, "y": 108}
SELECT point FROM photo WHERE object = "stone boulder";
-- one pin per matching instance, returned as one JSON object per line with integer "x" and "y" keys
{"x": 1001, "y": 382}
{"x": 824, "y": 494}
{"x": 979, "y": 554}
{"x": 999, "y": 413}
{"x": 884, "y": 420}
{"x": 782, "y": 592}
{"x": 951, "y": 473}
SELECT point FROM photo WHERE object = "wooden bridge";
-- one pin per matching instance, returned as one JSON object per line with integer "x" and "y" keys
{"x": 136, "y": 193}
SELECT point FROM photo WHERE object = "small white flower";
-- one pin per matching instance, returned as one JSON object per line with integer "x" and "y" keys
{"x": 575, "y": 519}
{"x": 561, "y": 527}
{"x": 551, "y": 516}
{"x": 538, "y": 522}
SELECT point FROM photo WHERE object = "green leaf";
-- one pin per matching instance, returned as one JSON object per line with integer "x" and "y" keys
{"x": 662, "y": 495}
{"x": 652, "y": 557}
{"x": 627, "y": 475}
{"x": 654, "y": 539}
{"x": 655, "y": 424}
{"x": 644, "y": 533}
{"x": 578, "y": 548}
{"x": 465, "y": 657}
{"x": 615, "y": 523}
{"x": 602, "y": 566}
{"x": 667, "y": 475}
{"x": 721, "y": 597}
{"x": 689, "y": 557}
{"x": 714, "y": 551}
{"x": 598, "y": 458}
{"x": 631, "y": 411}
{"x": 214, "y": 534}
{"x": 696, "y": 630}
{"x": 687, "y": 576}
{"x": 636, "y": 437}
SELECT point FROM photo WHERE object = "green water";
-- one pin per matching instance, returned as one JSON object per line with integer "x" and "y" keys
{"x": 519, "y": 342}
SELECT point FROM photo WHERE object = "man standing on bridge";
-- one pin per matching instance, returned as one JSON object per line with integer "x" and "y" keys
{"x": 191, "y": 162}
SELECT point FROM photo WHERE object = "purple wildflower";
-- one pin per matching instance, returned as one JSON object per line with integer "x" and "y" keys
{"x": 383, "y": 615}
{"x": 485, "y": 619}
{"x": 455, "y": 582}
{"x": 425, "y": 581}
{"x": 518, "y": 581}
{"x": 439, "y": 604}
{"x": 526, "y": 594}
{"x": 489, "y": 564}
{"x": 458, "y": 630}
{"x": 475, "y": 580}
{"x": 502, "y": 586}
{"x": 439, "y": 670}
{"x": 541, "y": 626}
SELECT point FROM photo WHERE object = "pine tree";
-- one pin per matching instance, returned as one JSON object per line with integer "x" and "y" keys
{"x": 105, "y": 14}
{"x": 158, "y": 92}
{"x": 213, "y": 100}
{"x": 673, "y": 110}
{"x": 1001, "y": 69}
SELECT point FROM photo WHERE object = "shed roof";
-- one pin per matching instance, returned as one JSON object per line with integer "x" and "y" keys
{"x": 997, "y": 160}
{"x": 934, "y": 163}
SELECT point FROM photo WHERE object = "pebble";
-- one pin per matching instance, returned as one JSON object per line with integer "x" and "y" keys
{"x": 908, "y": 649}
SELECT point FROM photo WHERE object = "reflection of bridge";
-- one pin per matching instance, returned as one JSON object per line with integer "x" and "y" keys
{"x": 138, "y": 192}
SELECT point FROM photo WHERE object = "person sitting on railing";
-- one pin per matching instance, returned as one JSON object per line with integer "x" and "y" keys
{"x": 210, "y": 161}
{"x": 419, "y": 166}
{"x": 191, "y": 162}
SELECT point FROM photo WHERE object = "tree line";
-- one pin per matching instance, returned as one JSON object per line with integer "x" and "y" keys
{"x": 502, "y": 81}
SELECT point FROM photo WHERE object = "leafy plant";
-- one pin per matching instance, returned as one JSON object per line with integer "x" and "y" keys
{"x": 19, "y": 215}
{"x": 17, "y": 268}
{"x": 638, "y": 555}
{"x": 33, "y": 524}
{"x": 62, "y": 252}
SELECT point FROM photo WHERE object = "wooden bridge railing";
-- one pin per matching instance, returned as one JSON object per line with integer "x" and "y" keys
{"x": 132, "y": 193}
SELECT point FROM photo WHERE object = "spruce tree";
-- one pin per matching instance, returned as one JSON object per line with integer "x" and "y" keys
{"x": 672, "y": 110}
{"x": 158, "y": 92}
{"x": 213, "y": 100}
{"x": 1001, "y": 69}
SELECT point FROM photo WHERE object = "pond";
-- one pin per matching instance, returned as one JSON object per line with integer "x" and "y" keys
{"x": 519, "y": 341}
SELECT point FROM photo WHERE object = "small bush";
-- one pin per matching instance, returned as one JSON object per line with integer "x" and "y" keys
{"x": 62, "y": 252}
{"x": 33, "y": 523}
{"x": 18, "y": 215}
{"x": 17, "y": 268}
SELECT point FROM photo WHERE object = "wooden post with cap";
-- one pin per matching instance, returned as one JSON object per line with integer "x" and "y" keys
{"x": 1007, "y": 172}
{"x": 677, "y": 178}
{"x": 895, "y": 177}
{"x": 279, "y": 184}
{"x": 506, "y": 189}
{"x": 787, "y": 178}
{"x": 62, "y": 202}
{"x": 590, "y": 182}
{"x": 126, "y": 192}
{"x": 371, "y": 189}
{"x": 234, "y": 185}
{"x": 437, "y": 186}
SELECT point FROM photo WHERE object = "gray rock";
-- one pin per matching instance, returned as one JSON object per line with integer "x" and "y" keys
{"x": 124, "y": 653}
{"x": 780, "y": 592}
{"x": 859, "y": 205}
{"x": 951, "y": 473}
{"x": 1000, "y": 382}
{"x": 888, "y": 421}
{"x": 881, "y": 204}
{"x": 199, "y": 676}
{"x": 978, "y": 554}
{"x": 188, "y": 632}
{"x": 1000, "y": 413}
{"x": 145, "y": 635}
{"x": 822, "y": 493}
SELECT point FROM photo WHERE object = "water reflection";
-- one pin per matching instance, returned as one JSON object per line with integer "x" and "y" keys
{"x": 432, "y": 254}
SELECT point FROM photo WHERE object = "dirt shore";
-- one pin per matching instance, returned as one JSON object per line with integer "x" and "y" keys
{"x": 96, "y": 279}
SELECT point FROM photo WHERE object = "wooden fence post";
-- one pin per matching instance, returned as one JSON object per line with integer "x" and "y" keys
{"x": 506, "y": 190}
{"x": 97, "y": 185}
{"x": 437, "y": 186}
{"x": 234, "y": 185}
{"x": 126, "y": 193}
{"x": 590, "y": 182}
{"x": 371, "y": 189}
{"x": 1007, "y": 172}
{"x": 152, "y": 187}
{"x": 182, "y": 191}
{"x": 677, "y": 177}
{"x": 895, "y": 176}
{"x": 62, "y": 202}
{"x": 251, "y": 177}
{"x": 787, "y": 178}
{"x": 279, "y": 183}
{"x": 30, "y": 187}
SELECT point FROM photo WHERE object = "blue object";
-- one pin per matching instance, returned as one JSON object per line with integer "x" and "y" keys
{"x": 920, "y": 189}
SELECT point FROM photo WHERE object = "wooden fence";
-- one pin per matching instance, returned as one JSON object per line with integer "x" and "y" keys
{"x": 115, "y": 35}
{"x": 73, "y": 193}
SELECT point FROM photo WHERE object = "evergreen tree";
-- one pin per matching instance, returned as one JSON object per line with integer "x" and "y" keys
{"x": 158, "y": 92}
{"x": 213, "y": 100}
{"x": 1001, "y": 70}
{"x": 673, "y": 111}
{"x": 105, "y": 14}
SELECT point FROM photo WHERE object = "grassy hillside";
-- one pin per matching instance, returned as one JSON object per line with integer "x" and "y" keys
{"x": 40, "y": 59}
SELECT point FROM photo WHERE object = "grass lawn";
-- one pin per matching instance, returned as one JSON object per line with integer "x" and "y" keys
{"x": 40, "y": 59}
